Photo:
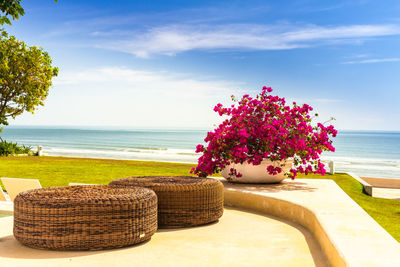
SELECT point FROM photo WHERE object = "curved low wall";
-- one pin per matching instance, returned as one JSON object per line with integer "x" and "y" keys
{"x": 346, "y": 233}
{"x": 287, "y": 210}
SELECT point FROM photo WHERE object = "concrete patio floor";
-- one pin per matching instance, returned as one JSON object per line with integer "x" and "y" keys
{"x": 346, "y": 233}
{"x": 316, "y": 223}
{"x": 238, "y": 238}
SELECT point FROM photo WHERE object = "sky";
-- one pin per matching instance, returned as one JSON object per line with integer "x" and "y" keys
{"x": 162, "y": 64}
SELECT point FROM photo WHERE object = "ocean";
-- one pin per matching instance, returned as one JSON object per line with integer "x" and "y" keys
{"x": 366, "y": 153}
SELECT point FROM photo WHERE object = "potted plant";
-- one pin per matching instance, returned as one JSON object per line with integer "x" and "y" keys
{"x": 264, "y": 140}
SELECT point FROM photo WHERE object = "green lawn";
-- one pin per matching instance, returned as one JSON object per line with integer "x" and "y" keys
{"x": 54, "y": 171}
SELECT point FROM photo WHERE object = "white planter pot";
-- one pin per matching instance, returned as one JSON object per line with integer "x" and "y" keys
{"x": 257, "y": 173}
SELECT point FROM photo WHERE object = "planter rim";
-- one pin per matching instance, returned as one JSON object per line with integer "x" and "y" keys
{"x": 291, "y": 159}
{"x": 257, "y": 173}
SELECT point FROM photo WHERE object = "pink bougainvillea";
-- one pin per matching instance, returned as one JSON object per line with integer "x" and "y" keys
{"x": 265, "y": 127}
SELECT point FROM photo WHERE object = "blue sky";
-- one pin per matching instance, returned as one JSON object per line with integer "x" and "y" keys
{"x": 167, "y": 63}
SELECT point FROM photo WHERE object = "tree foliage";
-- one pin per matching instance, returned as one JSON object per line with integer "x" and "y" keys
{"x": 26, "y": 74}
{"x": 10, "y": 148}
{"x": 10, "y": 8}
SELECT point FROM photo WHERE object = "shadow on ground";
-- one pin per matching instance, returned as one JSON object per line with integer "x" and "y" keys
{"x": 272, "y": 188}
{"x": 11, "y": 248}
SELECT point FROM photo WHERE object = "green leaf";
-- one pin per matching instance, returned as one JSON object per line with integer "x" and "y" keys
{"x": 25, "y": 77}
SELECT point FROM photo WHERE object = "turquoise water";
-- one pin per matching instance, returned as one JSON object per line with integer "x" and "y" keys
{"x": 140, "y": 144}
{"x": 375, "y": 154}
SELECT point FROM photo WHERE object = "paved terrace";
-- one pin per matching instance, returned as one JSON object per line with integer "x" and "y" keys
{"x": 384, "y": 187}
{"x": 379, "y": 187}
{"x": 315, "y": 223}
{"x": 238, "y": 238}
{"x": 346, "y": 233}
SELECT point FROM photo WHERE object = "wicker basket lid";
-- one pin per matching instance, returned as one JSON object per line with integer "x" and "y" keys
{"x": 84, "y": 194}
{"x": 160, "y": 182}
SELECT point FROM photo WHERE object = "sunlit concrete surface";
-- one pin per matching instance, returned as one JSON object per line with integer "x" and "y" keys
{"x": 384, "y": 187}
{"x": 239, "y": 238}
{"x": 346, "y": 233}
{"x": 379, "y": 187}
{"x": 391, "y": 193}
{"x": 383, "y": 182}
{"x": 336, "y": 225}
{"x": 6, "y": 207}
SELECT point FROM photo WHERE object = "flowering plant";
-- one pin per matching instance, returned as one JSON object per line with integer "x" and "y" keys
{"x": 261, "y": 128}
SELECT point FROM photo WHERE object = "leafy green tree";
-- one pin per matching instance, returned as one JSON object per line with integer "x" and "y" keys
{"x": 26, "y": 74}
{"x": 11, "y": 8}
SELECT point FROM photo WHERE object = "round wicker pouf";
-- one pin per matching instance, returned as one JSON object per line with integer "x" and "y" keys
{"x": 85, "y": 217}
{"x": 182, "y": 201}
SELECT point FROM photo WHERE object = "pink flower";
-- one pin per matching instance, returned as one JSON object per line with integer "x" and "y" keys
{"x": 265, "y": 127}
{"x": 199, "y": 148}
{"x": 268, "y": 89}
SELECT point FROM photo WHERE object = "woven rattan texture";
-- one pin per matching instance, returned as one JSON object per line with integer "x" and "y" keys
{"x": 182, "y": 200}
{"x": 84, "y": 217}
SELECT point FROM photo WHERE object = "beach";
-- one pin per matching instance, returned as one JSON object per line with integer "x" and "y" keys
{"x": 365, "y": 153}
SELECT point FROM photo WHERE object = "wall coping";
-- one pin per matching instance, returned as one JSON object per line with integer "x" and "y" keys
{"x": 346, "y": 233}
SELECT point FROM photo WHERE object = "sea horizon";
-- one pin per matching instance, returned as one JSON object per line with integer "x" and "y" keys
{"x": 366, "y": 153}
{"x": 127, "y": 128}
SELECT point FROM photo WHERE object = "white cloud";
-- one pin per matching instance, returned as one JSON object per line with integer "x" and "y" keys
{"x": 327, "y": 100}
{"x": 315, "y": 33}
{"x": 375, "y": 60}
{"x": 163, "y": 82}
{"x": 358, "y": 56}
{"x": 116, "y": 96}
{"x": 172, "y": 39}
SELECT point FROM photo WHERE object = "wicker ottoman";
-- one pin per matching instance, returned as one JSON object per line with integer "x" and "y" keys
{"x": 182, "y": 201}
{"x": 86, "y": 217}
